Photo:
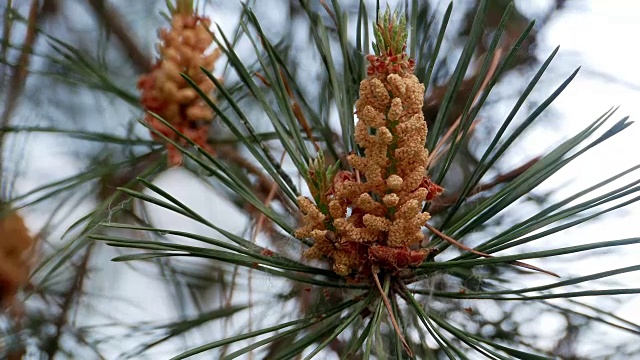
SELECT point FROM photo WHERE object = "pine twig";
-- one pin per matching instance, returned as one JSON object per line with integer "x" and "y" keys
{"x": 16, "y": 83}
{"x": 110, "y": 19}
{"x": 440, "y": 149}
{"x": 442, "y": 203}
{"x": 387, "y": 304}
{"x": 263, "y": 180}
{"x": 53, "y": 345}
{"x": 480, "y": 253}
{"x": 297, "y": 111}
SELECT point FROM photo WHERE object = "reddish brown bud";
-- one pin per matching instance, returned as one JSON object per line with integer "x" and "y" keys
{"x": 433, "y": 189}
{"x": 397, "y": 258}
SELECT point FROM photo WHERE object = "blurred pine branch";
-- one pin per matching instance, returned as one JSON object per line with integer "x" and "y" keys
{"x": 274, "y": 108}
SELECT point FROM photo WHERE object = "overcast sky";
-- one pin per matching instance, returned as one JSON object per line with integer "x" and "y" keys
{"x": 600, "y": 36}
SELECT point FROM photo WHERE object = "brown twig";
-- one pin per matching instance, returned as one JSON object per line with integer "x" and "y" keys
{"x": 6, "y": 35}
{"x": 328, "y": 10}
{"x": 264, "y": 182}
{"x": 439, "y": 149}
{"x": 297, "y": 112}
{"x": 444, "y": 202}
{"x": 435, "y": 156}
{"x": 17, "y": 81}
{"x": 295, "y": 107}
{"x": 110, "y": 19}
{"x": 74, "y": 291}
{"x": 473, "y": 251}
{"x": 16, "y": 84}
{"x": 232, "y": 155}
{"x": 259, "y": 223}
{"x": 387, "y": 304}
{"x": 267, "y": 201}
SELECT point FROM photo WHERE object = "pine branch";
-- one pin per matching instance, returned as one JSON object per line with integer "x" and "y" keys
{"x": 110, "y": 19}
{"x": 444, "y": 202}
{"x": 52, "y": 345}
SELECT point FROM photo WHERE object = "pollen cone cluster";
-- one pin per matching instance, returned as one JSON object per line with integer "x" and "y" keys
{"x": 183, "y": 48}
{"x": 373, "y": 214}
{"x": 15, "y": 244}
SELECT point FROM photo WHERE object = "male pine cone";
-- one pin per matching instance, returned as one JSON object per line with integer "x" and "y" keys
{"x": 375, "y": 212}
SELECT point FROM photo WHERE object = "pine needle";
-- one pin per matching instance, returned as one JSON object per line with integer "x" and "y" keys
{"x": 466, "y": 248}
{"x": 385, "y": 299}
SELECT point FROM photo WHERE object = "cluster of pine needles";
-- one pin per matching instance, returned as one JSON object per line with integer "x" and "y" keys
{"x": 347, "y": 168}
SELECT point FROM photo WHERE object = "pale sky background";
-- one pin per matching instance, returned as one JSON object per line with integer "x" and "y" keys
{"x": 600, "y": 36}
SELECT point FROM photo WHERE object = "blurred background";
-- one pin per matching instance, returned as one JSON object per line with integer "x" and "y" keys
{"x": 72, "y": 132}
